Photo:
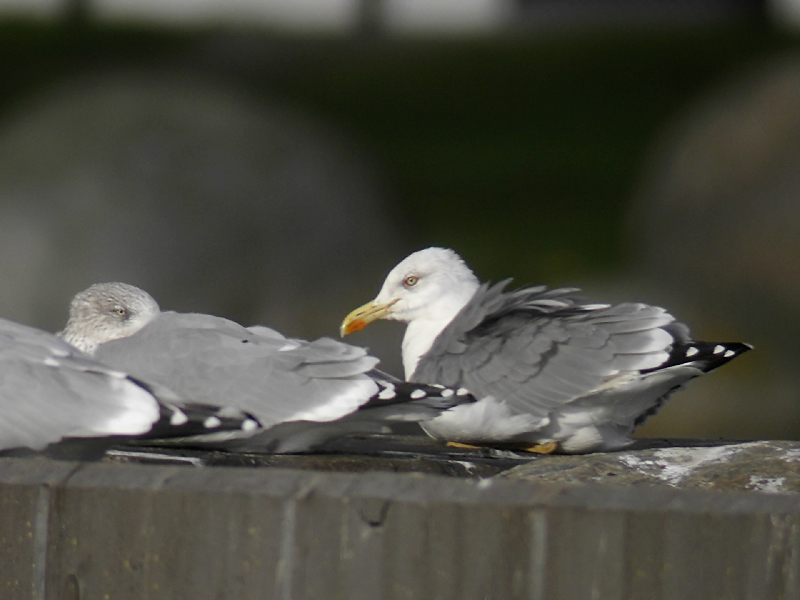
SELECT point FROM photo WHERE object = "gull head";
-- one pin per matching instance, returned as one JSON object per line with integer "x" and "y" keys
{"x": 105, "y": 312}
{"x": 430, "y": 284}
{"x": 426, "y": 290}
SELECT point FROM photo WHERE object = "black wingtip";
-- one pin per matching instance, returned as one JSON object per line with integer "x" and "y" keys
{"x": 402, "y": 392}
{"x": 194, "y": 419}
{"x": 707, "y": 356}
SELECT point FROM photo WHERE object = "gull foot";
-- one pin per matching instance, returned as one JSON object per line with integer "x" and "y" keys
{"x": 546, "y": 448}
{"x": 464, "y": 446}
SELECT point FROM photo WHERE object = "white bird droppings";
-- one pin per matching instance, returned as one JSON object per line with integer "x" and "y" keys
{"x": 672, "y": 465}
{"x": 772, "y": 485}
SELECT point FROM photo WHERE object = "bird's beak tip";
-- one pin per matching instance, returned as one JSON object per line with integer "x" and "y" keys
{"x": 351, "y": 326}
{"x": 363, "y": 316}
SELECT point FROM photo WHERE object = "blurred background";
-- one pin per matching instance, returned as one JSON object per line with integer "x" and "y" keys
{"x": 271, "y": 160}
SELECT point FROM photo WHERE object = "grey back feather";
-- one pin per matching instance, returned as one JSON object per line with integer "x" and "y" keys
{"x": 540, "y": 348}
{"x": 213, "y": 360}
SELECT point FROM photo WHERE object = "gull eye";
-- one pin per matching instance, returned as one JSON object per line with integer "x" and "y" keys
{"x": 410, "y": 281}
{"x": 121, "y": 312}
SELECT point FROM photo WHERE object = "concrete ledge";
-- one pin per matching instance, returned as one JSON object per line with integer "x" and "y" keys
{"x": 73, "y": 531}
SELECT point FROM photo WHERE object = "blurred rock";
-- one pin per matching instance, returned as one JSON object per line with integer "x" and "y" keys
{"x": 754, "y": 466}
{"x": 716, "y": 225}
{"x": 206, "y": 197}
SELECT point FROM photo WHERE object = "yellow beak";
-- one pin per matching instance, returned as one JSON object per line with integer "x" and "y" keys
{"x": 364, "y": 315}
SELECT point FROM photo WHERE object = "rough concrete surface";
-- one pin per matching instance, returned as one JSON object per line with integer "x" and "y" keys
{"x": 719, "y": 465}
{"x": 764, "y": 466}
{"x": 105, "y": 531}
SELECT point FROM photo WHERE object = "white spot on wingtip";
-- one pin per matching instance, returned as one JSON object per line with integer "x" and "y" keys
{"x": 212, "y": 422}
{"x": 51, "y": 362}
{"x": 729, "y": 353}
{"x": 388, "y": 393}
{"x": 447, "y": 393}
{"x": 178, "y": 417}
{"x": 249, "y": 425}
{"x": 462, "y": 392}
{"x": 417, "y": 394}
{"x": 691, "y": 351}
{"x": 719, "y": 349}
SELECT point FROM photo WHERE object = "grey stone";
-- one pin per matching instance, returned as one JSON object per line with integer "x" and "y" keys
{"x": 138, "y": 531}
{"x": 763, "y": 466}
{"x": 24, "y": 522}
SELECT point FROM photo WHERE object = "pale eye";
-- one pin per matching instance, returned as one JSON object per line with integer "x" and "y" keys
{"x": 410, "y": 281}
{"x": 120, "y": 312}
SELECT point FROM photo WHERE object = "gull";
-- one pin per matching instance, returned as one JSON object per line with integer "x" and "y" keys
{"x": 549, "y": 371}
{"x": 58, "y": 400}
{"x": 302, "y": 393}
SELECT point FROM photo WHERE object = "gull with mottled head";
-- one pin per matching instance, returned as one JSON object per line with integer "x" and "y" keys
{"x": 301, "y": 392}
{"x": 105, "y": 312}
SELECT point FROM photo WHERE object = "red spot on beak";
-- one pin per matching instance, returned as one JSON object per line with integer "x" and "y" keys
{"x": 356, "y": 325}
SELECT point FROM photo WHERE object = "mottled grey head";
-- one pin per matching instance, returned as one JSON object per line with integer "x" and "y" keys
{"x": 105, "y": 312}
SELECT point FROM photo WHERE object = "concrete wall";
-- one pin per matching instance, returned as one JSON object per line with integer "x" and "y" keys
{"x": 72, "y": 531}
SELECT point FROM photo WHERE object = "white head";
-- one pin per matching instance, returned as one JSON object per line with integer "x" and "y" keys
{"x": 426, "y": 290}
{"x": 105, "y": 312}
{"x": 426, "y": 285}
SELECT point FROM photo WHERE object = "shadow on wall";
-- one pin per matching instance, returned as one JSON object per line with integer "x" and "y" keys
{"x": 207, "y": 199}
{"x": 717, "y": 229}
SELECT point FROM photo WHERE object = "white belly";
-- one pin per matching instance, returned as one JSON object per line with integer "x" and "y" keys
{"x": 601, "y": 421}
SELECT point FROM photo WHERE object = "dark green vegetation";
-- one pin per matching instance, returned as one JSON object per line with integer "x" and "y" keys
{"x": 520, "y": 152}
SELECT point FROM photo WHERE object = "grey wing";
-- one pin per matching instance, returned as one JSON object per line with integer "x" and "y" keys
{"x": 49, "y": 391}
{"x": 540, "y": 359}
{"x": 212, "y": 360}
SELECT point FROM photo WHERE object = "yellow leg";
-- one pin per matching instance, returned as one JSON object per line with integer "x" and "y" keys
{"x": 465, "y": 446}
{"x": 546, "y": 448}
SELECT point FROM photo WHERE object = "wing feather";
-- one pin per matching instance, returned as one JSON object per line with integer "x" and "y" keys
{"x": 538, "y": 348}
{"x": 216, "y": 361}
{"x": 50, "y": 390}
